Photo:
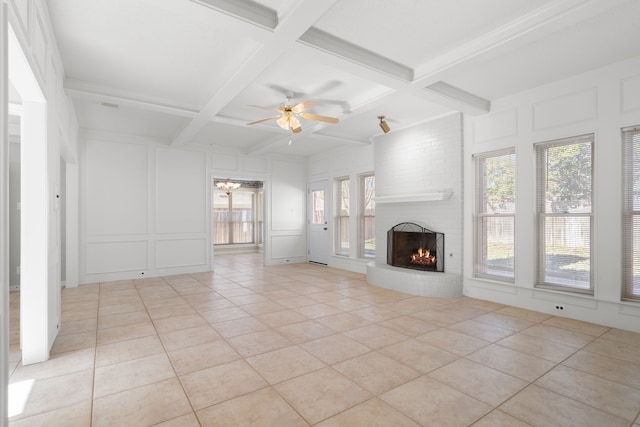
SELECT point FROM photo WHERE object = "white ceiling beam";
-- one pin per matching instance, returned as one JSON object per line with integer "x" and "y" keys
{"x": 336, "y": 46}
{"x": 300, "y": 19}
{"x": 458, "y": 98}
{"x": 83, "y": 90}
{"x": 247, "y": 10}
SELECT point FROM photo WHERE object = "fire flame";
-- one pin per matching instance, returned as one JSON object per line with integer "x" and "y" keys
{"x": 423, "y": 257}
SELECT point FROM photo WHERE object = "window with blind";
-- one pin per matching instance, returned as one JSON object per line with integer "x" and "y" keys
{"x": 342, "y": 216}
{"x": 495, "y": 215}
{"x": 631, "y": 232}
{"x": 368, "y": 215}
{"x": 565, "y": 219}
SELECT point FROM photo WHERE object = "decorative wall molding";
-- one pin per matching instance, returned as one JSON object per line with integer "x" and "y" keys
{"x": 565, "y": 110}
{"x": 115, "y": 257}
{"x": 630, "y": 94}
{"x": 181, "y": 252}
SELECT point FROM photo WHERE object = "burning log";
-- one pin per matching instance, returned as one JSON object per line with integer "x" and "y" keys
{"x": 423, "y": 257}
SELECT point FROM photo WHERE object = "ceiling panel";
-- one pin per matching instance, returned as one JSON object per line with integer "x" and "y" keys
{"x": 231, "y": 136}
{"x": 412, "y": 32}
{"x": 126, "y": 44}
{"x": 130, "y": 121}
{"x": 584, "y": 46}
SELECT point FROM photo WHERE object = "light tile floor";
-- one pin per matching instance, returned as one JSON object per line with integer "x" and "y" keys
{"x": 300, "y": 345}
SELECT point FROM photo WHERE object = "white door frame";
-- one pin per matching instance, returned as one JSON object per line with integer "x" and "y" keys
{"x": 4, "y": 215}
{"x": 319, "y": 241}
{"x": 266, "y": 220}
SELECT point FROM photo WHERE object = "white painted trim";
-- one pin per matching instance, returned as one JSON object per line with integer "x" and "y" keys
{"x": 34, "y": 245}
{"x": 72, "y": 226}
{"x": 4, "y": 217}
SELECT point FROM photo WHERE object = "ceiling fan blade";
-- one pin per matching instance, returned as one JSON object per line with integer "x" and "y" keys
{"x": 264, "y": 120}
{"x": 277, "y": 110}
{"x": 303, "y": 106}
{"x": 319, "y": 118}
{"x": 297, "y": 130}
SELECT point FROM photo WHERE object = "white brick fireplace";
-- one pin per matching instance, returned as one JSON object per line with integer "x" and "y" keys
{"x": 419, "y": 179}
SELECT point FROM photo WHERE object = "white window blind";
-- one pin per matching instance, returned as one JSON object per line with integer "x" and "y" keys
{"x": 495, "y": 215}
{"x": 565, "y": 220}
{"x": 342, "y": 216}
{"x": 631, "y": 231}
{"x": 233, "y": 217}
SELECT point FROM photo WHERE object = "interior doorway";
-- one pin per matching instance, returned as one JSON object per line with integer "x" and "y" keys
{"x": 39, "y": 291}
{"x": 238, "y": 216}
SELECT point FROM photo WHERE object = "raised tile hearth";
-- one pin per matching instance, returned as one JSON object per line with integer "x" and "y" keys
{"x": 420, "y": 283}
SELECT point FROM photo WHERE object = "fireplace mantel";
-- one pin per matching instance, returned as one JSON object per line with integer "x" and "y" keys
{"x": 428, "y": 196}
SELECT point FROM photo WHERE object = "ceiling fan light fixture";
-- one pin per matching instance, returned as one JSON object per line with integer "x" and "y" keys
{"x": 294, "y": 122}
{"x": 290, "y": 115}
{"x": 283, "y": 121}
{"x": 384, "y": 125}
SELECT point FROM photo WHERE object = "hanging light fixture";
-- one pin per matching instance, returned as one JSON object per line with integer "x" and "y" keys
{"x": 383, "y": 125}
{"x": 227, "y": 186}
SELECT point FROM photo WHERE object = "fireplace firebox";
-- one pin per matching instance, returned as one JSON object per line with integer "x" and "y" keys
{"x": 412, "y": 246}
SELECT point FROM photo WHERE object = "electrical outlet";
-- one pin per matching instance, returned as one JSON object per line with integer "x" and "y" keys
{"x": 560, "y": 307}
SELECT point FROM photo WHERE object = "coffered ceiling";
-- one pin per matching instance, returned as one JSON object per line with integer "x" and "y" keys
{"x": 185, "y": 72}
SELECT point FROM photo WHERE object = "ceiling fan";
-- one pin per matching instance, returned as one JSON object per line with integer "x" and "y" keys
{"x": 290, "y": 115}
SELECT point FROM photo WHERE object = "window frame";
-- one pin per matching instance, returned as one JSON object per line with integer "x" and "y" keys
{"x": 480, "y": 267}
{"x": 630, "y": 137}
{"x": 340, "y": 216}
{"x": 542, "y": 215}
{"x": 362, "y": 251}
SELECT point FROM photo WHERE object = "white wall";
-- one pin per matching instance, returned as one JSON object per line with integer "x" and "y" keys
{"x": 145, "y": 209}
{"x": 416, "y": 161}
{"x": 345, "y": 162}
{"x": 601, "y": 102}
